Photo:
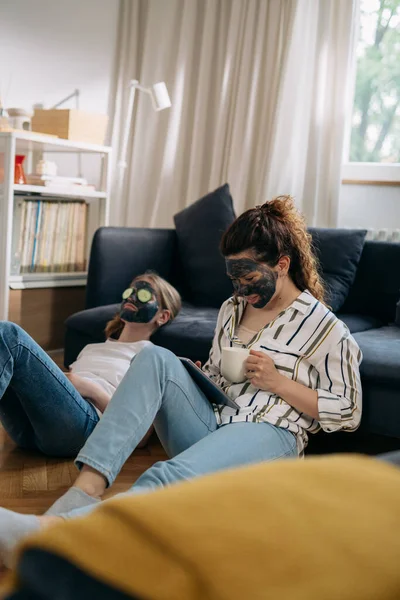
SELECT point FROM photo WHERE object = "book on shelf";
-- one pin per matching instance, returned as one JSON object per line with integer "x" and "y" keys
{"x": 45, "y": 180}
{"x": 37, "y": 234}
{"x": 81, "y": 239}
{"x": 17, "y": 235}
{"x": 28, "y": 236}
{"x": 48, "y": 236}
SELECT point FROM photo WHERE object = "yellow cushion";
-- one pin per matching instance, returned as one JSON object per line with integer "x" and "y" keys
{"x": 323, "y": 528}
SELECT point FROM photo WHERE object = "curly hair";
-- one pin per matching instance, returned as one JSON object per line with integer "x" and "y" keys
{"x": 273, "y": 230}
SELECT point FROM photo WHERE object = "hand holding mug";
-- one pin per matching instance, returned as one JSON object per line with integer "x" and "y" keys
{"x": 233, "y": 362}
{"x": 261, "y": 372}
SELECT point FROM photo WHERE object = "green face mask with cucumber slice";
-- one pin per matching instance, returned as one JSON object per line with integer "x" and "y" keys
{"x": 139, "y": 303}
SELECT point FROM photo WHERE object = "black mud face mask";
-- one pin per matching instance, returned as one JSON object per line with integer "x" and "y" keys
{"x": 144, "y": 298}
{"x": 264, "y": 287}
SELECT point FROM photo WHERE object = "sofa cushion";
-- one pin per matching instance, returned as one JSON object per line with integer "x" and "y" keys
{"x": 199, "y": 229}
{"x": 118, "y": 254}
{"x": 380, "y": 375}
{"x": 376, "y": 288}
{"x": 92, "y": 321}
{"x": 339, "y": 252}
{"x": 381, "y": 356}
{"x": 357, "y": 323}
{"x": 190, "y": 334}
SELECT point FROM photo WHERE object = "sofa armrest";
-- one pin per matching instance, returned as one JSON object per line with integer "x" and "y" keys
{"x": 120, "y": 253}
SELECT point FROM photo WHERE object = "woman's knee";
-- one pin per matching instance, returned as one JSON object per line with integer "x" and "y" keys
{"x": 10, "y": 330}
{"x": 56, "y": 449}
{"x": 152, "y": 361}
{"x": 23, "y": 437}
{"x": 154, "y": 354}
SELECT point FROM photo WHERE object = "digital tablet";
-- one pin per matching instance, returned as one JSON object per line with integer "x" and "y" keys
{"x": 210, "y": 389}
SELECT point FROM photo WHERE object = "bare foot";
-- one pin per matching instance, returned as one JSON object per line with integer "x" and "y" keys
{"x": 91, "y": 482}
{"x": 47, "y": 520}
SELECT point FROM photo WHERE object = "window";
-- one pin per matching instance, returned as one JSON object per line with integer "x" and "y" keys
{"x": 375, "y": 132}
{"x": 375, "y": 121}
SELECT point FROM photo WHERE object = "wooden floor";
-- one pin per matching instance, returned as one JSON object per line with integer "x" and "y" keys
{"x": 31, "y": 482}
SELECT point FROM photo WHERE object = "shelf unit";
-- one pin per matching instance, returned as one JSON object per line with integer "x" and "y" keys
{"x": 40, "y": 280}
{"x": 52, "y": 191}
{"x": 33, "y": 145}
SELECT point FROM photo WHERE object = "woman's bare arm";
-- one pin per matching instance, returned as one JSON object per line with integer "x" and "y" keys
{"x": 90, "y": 389}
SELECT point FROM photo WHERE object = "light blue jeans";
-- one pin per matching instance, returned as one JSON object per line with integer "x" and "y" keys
{"x": 157, "y": 388}
{"x": 39, "y": 408}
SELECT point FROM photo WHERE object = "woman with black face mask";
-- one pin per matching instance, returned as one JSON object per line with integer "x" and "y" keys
{"x": 301, "y": 375}
{"x": 44, "y": 409}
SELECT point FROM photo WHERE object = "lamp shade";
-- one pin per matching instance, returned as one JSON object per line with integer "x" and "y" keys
{"x": 160, "y": 96}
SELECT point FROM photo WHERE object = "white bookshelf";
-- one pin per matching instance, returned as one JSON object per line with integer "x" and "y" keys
{"x": 54, "y": 192}
{"x": 40, "y": 280}
{"x": 34, "y": 145}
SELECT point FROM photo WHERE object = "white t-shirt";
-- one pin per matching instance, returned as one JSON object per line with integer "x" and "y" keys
{"x": 107, "y": 362}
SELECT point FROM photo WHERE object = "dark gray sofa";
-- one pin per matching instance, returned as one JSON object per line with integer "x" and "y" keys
{"x": 117, "y": 254}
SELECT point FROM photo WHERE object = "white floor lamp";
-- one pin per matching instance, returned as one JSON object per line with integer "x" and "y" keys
{"x": 160, "y": 100}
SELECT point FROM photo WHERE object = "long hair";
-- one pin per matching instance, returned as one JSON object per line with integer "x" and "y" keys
{"x": 167, "y": 295}
{"x": 273, "y": 230}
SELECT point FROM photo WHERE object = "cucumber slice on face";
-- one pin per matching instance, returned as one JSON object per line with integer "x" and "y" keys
{"x": 128, "y": 292}
{"x": 144, "y": 296}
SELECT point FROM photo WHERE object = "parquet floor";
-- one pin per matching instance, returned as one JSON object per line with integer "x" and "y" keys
{"x": 31, "y": 482}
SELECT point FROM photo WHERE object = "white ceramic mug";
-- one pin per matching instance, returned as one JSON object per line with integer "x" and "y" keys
{"x": 233, "y": 364}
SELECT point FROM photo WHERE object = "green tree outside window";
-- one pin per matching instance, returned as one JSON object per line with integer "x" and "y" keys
{"x": 375, "y": 135}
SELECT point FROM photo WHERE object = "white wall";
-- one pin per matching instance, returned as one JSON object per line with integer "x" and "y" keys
{"x": 369, "y": 206}
{"x": 50, "y": 47}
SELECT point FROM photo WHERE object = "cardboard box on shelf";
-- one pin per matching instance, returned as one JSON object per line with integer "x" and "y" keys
{"x": 71, "y": 124}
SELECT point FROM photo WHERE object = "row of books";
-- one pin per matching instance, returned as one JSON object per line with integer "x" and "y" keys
{"x": 48, "y": 236}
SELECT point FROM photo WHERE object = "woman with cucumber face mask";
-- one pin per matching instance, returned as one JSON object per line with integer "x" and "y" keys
{"x": 301, "y": 376}
{"x": 44, "y": 409}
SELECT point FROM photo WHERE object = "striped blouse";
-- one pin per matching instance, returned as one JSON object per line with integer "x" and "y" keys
{"x": 307, "y": 344}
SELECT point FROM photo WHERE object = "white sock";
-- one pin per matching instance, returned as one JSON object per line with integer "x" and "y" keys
{"x": 73, "y": 498}
{"x": 13, "y": 528}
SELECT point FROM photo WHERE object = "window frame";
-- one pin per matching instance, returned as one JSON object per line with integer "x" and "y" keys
{"x": 365, "y": 172}
{"x": 362, "y": 172}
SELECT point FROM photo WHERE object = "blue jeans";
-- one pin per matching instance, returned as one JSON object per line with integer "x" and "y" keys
{"x": 39, "y": 408}
{"x": 157, "y": 388}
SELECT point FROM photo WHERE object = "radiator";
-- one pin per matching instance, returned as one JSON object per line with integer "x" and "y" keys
{"x": 384, "y": 235}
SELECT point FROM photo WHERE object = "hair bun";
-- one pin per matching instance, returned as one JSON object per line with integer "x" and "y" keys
{"x": 269, "y": 209}
{"x": 279, "y": 207}
{"x": 266, "y": 207}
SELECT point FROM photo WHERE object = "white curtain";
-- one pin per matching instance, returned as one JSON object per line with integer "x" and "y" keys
{"x": 311, "y": 109}
{"x": 257, "y": 90}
